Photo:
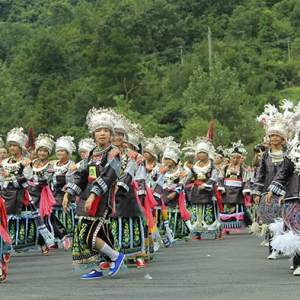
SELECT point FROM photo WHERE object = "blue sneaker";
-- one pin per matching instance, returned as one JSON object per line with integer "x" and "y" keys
{"x": 94, "y": 274}
{"x": 118, "y": 264}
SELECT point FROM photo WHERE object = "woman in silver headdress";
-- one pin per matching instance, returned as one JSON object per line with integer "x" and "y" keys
{"x": 219, "y": 158}
{"x": 151, "y": 149}
{"x": 169, "y": 192}
{"x": 64, "y": 147}
{"x": 278, "y": 131}
{"x": 85, "y": 146}
{"x": 16, "y": 171}
{"x": 127, "y": 221}
{"x": 4, "y": 236}
{"x": 205, "y": 211}
{"x": 3, "y": 151}
{"x": 286, "y": 185}
{"x": 133, "y": 142}
{"x": 40, "y": 192}
{"x": 233, "y": 185}
{"x": 94, "y": 181}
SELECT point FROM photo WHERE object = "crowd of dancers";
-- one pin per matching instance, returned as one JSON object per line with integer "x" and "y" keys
{"x": 130, "y": 194}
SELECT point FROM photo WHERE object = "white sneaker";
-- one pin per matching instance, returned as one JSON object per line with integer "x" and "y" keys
{"x": 156, "y": 246}
{"x": 292, "y": 268}
{"x": 266, "y": 244}
{"x": 263, "y": 242}
{"x": 297, "y": 272}
{"x": 273, "y": 255}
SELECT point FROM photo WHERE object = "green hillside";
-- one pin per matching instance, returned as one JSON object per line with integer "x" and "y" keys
{"x": 150, "y": 60}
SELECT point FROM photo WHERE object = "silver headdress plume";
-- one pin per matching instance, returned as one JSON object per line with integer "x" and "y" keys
{"x": 286, "y": 106}
{"x": 278, "y": 123}
{"x": 237, "y": 149}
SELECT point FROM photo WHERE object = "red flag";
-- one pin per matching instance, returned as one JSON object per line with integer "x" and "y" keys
{"x": 210, "y": 131}
{"x": 30, "y": 143}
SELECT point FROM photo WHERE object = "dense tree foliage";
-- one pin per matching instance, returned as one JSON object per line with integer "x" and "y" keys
{"x": 148, "y": 59}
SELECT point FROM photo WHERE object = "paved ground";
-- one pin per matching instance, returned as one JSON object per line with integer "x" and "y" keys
{"x": 233, "y": 268}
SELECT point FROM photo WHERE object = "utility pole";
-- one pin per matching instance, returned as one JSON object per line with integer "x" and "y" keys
{"x": 209, "y": 51}
{"x": 289, "y": 50}
{"x": 181, "y": 55}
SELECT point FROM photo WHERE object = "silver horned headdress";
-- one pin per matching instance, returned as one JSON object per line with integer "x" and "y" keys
{"x": 101, "y": 118}
{"x": 203, "y": 144}
{"x": 278, "y": 123}
{"x": 189, "y": 149}
{"x": 134, "y": 135}
{"x": 16, "y": 135}
{"x": 153, "y": 146}
{"x": 44, "y": 141}
{"x": 65, "y": 143}
{"x": 172, "y": 149}
{"x": 86, "y": 145}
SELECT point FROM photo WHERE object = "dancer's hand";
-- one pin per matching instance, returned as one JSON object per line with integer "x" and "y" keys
{"x": 201, "y": 187}
{"x": 171, "y": 196}
{"x": 280, "y": 198}
{"x": 89, "y": 202}
{"x": 269, "y": 197}
{"x": 65, "y": 203}
{"x": 222, "y": 192}
{"x": 256, "y": 199}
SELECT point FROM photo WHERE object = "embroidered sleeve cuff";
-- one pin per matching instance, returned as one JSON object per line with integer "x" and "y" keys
{"x": 122, "y": 184}
{"x": 255, "y": 193}
{"x": 276, "y": 190}
{"x": 96, "y": 190}
{"x": 25, "y": 185}
{"x": 102, "y": 184}
{"x": 208, "y": 187}
{"x": 220, "y": 188}
{"x": 15, "y": 181}
{"x": 70, "y": 191}
{"x": 141, "y": 192}
{"x": 157, "y": 195}
{"x": 246, "y": 191}
{"x": 178, "y": 191}
{"x": 74, "y": 187}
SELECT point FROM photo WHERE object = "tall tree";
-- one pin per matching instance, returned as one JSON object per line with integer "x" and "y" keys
{"x": 219, "y": 96}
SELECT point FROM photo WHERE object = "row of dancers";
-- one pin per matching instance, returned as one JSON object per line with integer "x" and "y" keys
{"x": 125, "y": 197}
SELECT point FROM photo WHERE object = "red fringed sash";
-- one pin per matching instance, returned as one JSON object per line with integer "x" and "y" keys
{"x": 136, "y": 189}
{"x": 247, "y": 200}
{"x": 95, "y": 205}
{"x": 96, "y": 202}
{"x": 149, "y": 204}
{"x": 3, "y": 222}
{"x": 184, "y": 213}
{"x": 46, "y": 202}
{"x": 26, "y": 198}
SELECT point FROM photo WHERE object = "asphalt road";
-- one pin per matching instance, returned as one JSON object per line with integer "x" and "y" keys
{"x": 233, "y": 268}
